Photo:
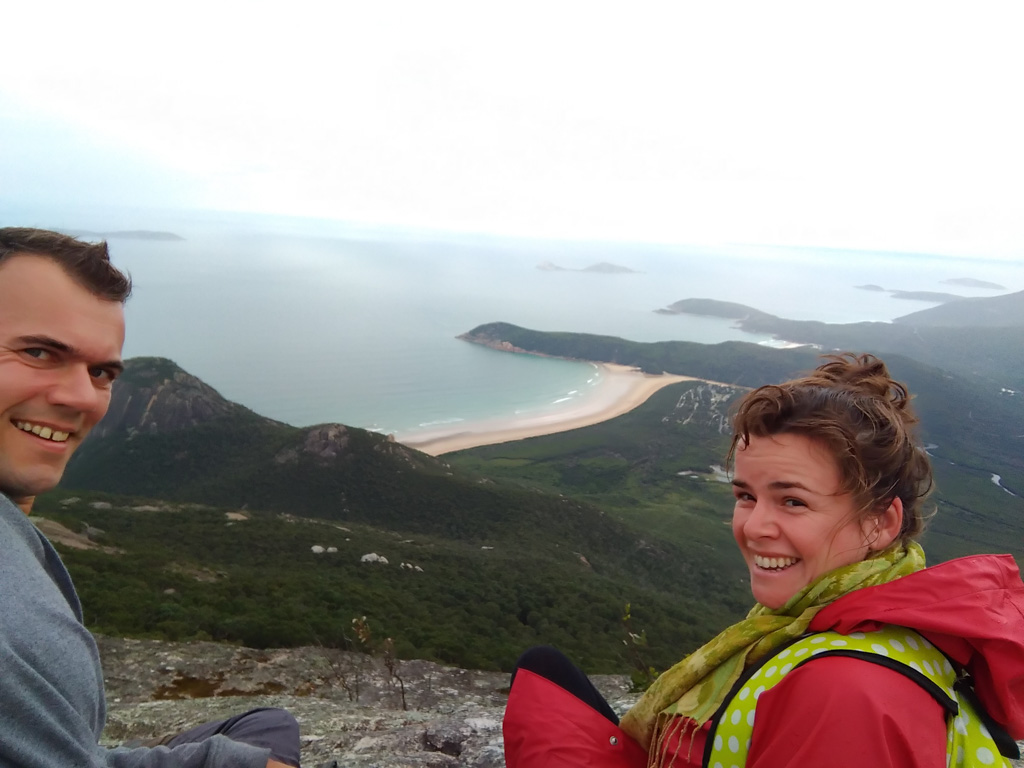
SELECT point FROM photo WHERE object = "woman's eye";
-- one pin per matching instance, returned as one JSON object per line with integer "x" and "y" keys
{"x": 794, "y": 503}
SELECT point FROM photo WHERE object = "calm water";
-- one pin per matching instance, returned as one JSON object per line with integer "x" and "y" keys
{"x": 308, "y": 322}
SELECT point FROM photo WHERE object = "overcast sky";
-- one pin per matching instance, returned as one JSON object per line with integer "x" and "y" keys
{"x": 870, "y": 124}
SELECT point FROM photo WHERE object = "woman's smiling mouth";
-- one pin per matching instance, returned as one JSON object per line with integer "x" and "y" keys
{"x": 775, "y": 563}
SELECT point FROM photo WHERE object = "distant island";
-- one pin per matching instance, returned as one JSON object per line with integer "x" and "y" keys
{"x": 127, "y": 234}
{"x": 971, "y": 282}
{"x": 935, "y": 296}
{"x": 715, "y": 308}
{"x": 603, "y": 267}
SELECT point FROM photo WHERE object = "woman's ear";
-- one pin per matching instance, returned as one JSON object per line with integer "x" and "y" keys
{"x": 882, "y": 530}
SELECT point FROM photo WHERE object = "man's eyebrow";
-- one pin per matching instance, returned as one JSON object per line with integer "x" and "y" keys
{"x": 47, "y": 341}
{"x": 67, "y": 349}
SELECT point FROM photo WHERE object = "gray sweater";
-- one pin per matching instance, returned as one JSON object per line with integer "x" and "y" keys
{"x": 52, "y": 707}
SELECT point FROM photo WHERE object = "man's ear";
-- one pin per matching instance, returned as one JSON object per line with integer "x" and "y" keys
{"x": 882, "y": 530}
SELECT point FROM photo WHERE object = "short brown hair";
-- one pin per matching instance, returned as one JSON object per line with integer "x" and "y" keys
{"x": 86, "y": 263}
{"x": 863, "y": 416}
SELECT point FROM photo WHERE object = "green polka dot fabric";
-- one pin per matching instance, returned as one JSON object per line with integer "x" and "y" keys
{"x": 969, "y": 742}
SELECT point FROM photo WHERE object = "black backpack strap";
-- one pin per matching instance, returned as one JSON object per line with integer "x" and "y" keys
{"x": 1007, "y": 746}
{"x": 937, "y": 693}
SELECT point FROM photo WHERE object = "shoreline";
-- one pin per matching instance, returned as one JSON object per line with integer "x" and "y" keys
{"x": 623, "y": 388}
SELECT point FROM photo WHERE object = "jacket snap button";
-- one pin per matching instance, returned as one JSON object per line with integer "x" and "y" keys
{"x": 613, "y": 740}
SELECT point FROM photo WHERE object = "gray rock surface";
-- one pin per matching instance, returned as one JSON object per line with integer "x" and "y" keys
{"x": 349, "y": 706}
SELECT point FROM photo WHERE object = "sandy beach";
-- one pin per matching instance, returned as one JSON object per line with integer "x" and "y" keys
{"x": 622, "y": 389}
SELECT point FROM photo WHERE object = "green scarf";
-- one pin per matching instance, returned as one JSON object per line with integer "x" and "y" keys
{"x": 688, "y": 694}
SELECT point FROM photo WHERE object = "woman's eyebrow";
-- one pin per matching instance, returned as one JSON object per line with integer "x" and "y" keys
{"x": 777, "y": 485}
{"x": 787, "y": 484}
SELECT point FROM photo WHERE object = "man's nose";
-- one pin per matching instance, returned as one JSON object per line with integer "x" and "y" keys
{"x": 75, "y": 388}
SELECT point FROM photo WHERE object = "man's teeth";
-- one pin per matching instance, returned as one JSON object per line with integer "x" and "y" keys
{"x": 774, "y": 562}
{"x": 44, "y": 432}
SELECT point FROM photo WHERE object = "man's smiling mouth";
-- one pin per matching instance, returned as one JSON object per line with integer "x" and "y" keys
{"x": 46, "y": 433}
{"x": 775, "y": 563}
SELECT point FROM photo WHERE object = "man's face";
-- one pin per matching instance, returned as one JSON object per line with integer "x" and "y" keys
{"x": 60, "y": 350}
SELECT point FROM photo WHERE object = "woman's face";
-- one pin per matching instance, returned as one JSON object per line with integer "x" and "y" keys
{"x": 792, "y": 520}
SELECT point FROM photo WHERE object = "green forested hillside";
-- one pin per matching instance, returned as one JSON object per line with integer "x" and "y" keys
{"x": 558, "y": 569}
{"x": 189, "y": 572}
{"x": 993, "y": 311}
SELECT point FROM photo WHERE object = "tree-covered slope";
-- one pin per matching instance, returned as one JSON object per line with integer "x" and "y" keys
{"x": 508, "y": 566}
{"x": 991, "y": 311}
{"x": 184, "y": 571}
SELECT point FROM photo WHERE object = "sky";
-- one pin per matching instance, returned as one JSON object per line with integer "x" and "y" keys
{"x": 889, "y": 125}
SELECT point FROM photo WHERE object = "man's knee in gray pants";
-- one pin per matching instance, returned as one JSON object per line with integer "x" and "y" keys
{"x": 267, "y": 727}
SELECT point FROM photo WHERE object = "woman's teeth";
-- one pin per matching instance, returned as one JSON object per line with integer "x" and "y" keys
{"x": 774, "y": 563}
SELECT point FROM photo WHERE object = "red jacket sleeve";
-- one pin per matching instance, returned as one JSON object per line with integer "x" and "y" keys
{"x": 847, "y": 713}
{"x": 545, "y": 726}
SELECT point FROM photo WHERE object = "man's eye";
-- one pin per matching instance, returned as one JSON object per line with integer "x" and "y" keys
{"x": 743, "y": 496}
{"x": 103, "y": 374}
{"x": 38, "y": 353}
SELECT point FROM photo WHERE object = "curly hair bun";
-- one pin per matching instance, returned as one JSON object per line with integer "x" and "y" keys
{"x": 853, "y": 406}
{"x": 864, "y": 374}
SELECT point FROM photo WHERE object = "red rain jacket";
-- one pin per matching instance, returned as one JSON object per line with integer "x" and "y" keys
{"x": 837, "y": 711}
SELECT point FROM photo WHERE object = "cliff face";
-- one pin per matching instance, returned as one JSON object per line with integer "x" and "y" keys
{"x": 349, "y": 705}
{"x": 155, "y": 395}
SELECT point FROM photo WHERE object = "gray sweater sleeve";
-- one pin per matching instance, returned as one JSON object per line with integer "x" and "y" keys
{"x": 215, "y": 752}
{"x": 52, "y": 707}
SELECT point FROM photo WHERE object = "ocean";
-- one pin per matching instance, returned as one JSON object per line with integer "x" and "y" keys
{"x": 311, "y": 321}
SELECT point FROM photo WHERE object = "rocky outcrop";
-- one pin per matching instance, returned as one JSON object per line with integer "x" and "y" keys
{"x": 326, "y": 441}
{"x": 61, "y": 534}
{"x": 706, "y": 405}
{"x": 351, "y": 707}
{"x": 494, "y": 343}
{"x": 155, "y": 395}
